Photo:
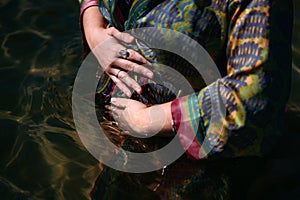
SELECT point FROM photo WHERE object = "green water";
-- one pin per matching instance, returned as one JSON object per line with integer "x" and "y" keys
{"x": 41, "y": 156}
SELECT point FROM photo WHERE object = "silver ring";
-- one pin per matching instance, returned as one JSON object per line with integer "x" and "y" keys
{"x": 117, "y": 74}
{"x": 115, "y": 123}
{"x": 124, "y": 53}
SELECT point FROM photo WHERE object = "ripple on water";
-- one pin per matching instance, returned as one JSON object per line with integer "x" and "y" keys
{"x": 41, "y": 154}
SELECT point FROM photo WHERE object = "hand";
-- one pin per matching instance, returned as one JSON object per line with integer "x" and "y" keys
{"x": 139, "y": 120}
{"x": 107, "y": 53}
{"x": 104, "y": 44}
{"x": 117, "y": 67}
{"x": 130, "y": 115}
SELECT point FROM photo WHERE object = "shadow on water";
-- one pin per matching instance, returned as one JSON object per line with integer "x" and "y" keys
{"x": 41, "y": 154}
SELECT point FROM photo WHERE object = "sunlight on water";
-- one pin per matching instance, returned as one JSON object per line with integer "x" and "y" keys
{"x": 41, "y": 154}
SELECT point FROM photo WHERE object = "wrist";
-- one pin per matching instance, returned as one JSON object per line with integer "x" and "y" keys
{"x": 94, "y": 36}
{"x": 159, "y": 120}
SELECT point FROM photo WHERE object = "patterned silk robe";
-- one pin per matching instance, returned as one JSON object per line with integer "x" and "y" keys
{"x": 250, "y": 41}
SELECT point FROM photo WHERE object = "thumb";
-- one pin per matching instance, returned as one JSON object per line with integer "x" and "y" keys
{"x": 122, "y": 36}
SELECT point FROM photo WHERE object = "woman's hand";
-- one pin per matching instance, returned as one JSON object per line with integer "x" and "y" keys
{"x": 117, "y": 67}
{"x": 105, "y": 46}
{"x": 139, "y": 120}
{"x": 130, "y": 115}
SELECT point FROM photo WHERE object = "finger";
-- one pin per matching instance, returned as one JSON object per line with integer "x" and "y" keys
{"x": 115, "y": 109}
{"x": 125, "y": 78}
{"x": 114, "y": 71}
{"x": 120, "y": 102}
{"x": 116, "y": 113}
{"x": 121, "y": 85}
{"x": 108, "y": 108}
{"x": 133, "y": 55}
{"x": 109, "y": 113}
{"x": 124, "y": 133}
{"x": 125, "y": 37}
{"x": 130, "y": 82}
{"x": 134, "y": 67}
{"x": 118, "y": 116}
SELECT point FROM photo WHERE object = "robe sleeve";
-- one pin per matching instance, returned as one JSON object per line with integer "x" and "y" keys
{"x": 240, "y": 113}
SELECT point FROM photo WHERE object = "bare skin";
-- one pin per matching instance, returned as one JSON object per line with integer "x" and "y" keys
{"x": 135, "y": 117}
{"x": 131, "y": 115}
{"x": 104, "y": 44}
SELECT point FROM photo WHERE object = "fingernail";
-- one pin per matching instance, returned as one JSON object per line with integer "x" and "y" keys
{"x": 128, "y": 94}
{"x": 138, "y": 89}
{"x": 113, "y": 100}
{"x": 131, "y": 39}
{"x": 149, "y": 74}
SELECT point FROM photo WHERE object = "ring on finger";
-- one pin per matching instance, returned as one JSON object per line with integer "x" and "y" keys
{"x": 124, "y": 53}
{"x": 117, "y": 74}
{"x": 115, "y": 123}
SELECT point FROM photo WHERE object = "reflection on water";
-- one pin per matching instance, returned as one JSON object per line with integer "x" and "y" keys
{"x": 41, "y": 154}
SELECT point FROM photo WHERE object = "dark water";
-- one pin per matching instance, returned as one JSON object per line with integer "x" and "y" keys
{"x": 41, "y": 156}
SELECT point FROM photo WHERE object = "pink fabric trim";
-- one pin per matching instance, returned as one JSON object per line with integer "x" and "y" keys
{"x": 185, "y": 133}
{"x": 86, "y": 4}
{"x": 176, "y": 113}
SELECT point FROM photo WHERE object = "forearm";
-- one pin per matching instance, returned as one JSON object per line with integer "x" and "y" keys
{"x": 93, "y": 21}
{"x": 84, "y": 5}
{"x": 160, "y": 119}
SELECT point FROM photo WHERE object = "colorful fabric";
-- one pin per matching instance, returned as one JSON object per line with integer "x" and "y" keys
{"x": 250, "y": 41}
